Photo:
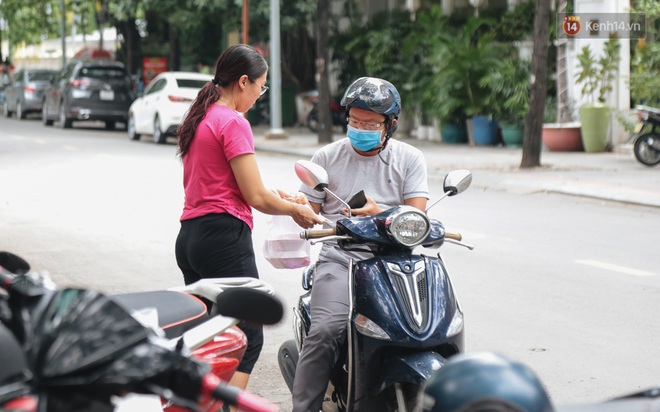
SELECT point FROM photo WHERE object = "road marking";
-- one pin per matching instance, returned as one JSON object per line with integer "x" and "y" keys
{"x": 40, "y": 141}
{"x": 71, "y": 148}
{"x": 615, "y": 268}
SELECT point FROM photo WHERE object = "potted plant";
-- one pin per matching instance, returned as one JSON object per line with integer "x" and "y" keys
{"x": 509, "y": 84}
{"x": 461, "y": 58}
{"x": 596, "y": 76}
{"x": 558, "y": 136}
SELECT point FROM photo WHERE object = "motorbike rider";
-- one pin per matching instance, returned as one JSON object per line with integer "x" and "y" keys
{"x": 391, "y": 173}
{"x": 484, "y": 382}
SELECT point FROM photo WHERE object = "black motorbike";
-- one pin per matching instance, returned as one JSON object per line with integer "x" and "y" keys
{"x": 647, "y": 137}
{"x": 337, "y": 112}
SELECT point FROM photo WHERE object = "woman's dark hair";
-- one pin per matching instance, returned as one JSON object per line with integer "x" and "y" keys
{"x": 236, "y": 61}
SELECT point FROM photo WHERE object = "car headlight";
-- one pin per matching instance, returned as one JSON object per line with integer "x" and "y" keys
{"x": 408, "y": 226}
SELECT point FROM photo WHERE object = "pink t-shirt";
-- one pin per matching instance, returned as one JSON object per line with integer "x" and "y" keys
{"x": 208, "y": 180}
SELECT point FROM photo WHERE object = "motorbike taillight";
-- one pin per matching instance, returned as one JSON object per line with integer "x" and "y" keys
{"x": 642, "y": 115}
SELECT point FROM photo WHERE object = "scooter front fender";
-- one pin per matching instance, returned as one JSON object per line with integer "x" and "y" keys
{"x": 413, "y": 368}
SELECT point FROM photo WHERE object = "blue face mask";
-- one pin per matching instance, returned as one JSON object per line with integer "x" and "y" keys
{"x": 364, "y": 140}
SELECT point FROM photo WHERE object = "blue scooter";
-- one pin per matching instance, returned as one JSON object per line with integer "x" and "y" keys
{"x": 404, "y": 319}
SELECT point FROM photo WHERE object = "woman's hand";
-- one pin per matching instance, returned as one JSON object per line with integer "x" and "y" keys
{"x": 369, "y": 209}
{"x": 305, "y": 217}
{"x": 298, "y": 198}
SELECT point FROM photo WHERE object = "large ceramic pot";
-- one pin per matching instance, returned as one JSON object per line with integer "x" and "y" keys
{"x": 453, "y": 132}
{"x": 562, "y": 137}
{"x": 484, "y": 129}
{"x": 512, "y": 134}
{"x": 595, "y": 119}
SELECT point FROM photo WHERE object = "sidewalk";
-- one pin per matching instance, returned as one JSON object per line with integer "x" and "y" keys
{"x": 613, "y": 176}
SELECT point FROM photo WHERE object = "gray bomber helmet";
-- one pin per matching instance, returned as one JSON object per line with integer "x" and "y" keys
{"x": 377, "y": 95}
{"x": 484, "y": 382}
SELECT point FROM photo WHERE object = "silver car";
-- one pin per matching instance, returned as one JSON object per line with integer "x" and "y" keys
{"x": 26, "y": 93}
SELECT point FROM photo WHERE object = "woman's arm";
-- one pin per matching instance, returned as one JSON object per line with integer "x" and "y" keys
{"x": 255, "y": 193}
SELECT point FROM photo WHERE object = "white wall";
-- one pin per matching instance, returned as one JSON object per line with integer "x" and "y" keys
{"x": 619, "y": 97}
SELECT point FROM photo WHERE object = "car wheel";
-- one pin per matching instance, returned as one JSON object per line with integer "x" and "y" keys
{"x": 5, "y": 108}
{"x": 65, "y": 122}
{"x": 132, "y": 132}
{"x": 159, "y": 136}
{"x": 44, "y": 116}
{"x": 20, "y": 115}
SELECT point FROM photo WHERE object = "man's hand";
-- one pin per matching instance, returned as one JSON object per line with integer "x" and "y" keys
{"x": 369, "y": 209}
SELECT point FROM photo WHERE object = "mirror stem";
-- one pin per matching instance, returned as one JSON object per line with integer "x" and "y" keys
{"x": 325, "y": 189}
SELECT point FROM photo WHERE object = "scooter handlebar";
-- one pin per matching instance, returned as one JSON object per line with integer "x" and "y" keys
{"x": 454, "y": 236}
{"x": 232, "y": 395}
{"x": 317, "y": 233}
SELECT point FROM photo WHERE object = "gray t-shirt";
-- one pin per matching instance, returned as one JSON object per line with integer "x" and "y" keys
{"x": 399, "y": 173}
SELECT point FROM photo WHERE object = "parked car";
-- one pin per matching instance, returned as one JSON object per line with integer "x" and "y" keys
{"x": 4, "y": 82}
{"x": 162, "y": 107}
{"x": 26, "y": 94}
{"x": 89, "y": 90}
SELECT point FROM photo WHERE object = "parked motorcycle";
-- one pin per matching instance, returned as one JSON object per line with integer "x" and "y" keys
{"x": 404, "y": 318}
{"x": 337, "y": 111}
{"x": 647, "y": 142}
{"x": 485, "y": 381}
{"x": 76, "y": 349}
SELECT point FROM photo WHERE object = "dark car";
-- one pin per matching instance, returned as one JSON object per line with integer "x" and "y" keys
{"x": 89, "y": 90}
{"x": 26, "y": 94}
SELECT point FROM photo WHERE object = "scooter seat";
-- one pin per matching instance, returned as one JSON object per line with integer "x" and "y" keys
{"x": 177, "y": 311}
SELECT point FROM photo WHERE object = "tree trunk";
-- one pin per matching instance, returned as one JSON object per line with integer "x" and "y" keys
{"x": 131, "y": 44}
{"x": 322, "y": 27}
{"x": 175, "y": 49}
{"x": 531, "y": 153}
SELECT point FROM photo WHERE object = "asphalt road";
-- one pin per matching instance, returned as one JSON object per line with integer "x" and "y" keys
{"x": 568, "y": 285}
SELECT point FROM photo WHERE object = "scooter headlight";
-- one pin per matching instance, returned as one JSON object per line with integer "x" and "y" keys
{"x": 456, "y": 325}
{"x": 367, "y": 327}
{"x": 408, "y": 226}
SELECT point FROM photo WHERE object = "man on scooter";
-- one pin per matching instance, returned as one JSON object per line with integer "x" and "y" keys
{"x": 391, "y": 173}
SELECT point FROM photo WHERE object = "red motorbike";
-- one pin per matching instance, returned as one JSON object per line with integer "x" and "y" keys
{"x": 77, "y": 349}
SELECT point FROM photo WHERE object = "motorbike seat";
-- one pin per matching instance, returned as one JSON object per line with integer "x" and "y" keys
{"x": 177, "y": 311}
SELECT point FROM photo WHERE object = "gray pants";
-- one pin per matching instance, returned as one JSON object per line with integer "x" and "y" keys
{"x": 329, "y": 310}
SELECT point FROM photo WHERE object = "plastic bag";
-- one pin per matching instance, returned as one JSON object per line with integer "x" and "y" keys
{"x": 283, "y": 247}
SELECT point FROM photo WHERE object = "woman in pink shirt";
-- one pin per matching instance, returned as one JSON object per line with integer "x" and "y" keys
{"x": 222, "y": 183}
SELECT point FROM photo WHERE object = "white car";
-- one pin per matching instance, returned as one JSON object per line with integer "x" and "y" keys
{"x": 164, "y": 104}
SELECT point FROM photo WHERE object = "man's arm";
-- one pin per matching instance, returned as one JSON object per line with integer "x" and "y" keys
{"x": 418, "y": 202}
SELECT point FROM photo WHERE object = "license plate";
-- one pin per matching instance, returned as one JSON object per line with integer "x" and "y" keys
{"x": 107, "y": 95}
{"x": 638, "y": 127}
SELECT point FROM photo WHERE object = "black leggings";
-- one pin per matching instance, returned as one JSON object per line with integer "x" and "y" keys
{"x": 220, "y": 246}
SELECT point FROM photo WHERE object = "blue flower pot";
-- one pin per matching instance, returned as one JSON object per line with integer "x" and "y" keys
{"x": 484, "y": 129}
{"x": 453, "y": 133}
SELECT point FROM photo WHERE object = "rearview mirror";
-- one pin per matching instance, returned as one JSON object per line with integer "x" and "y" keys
{"x": 457, "y": 181}
{"x": 312, "y": 174}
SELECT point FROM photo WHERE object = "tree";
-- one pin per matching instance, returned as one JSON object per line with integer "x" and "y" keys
{"x": 531, "y": 154}
{"x": 28, "y": 21}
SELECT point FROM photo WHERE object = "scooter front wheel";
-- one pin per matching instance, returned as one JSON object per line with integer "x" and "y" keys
{"x": 647, "y": 149}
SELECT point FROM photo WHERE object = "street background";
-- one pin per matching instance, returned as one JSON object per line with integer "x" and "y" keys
{"x": 564, "y": 275}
